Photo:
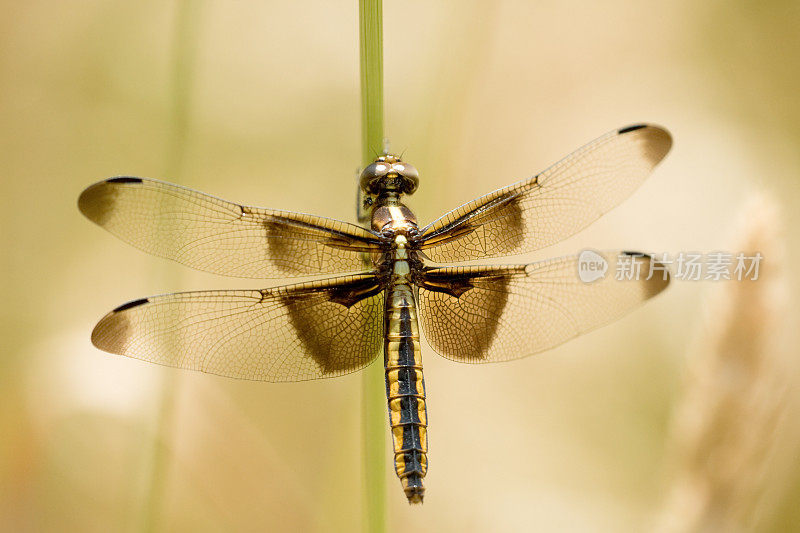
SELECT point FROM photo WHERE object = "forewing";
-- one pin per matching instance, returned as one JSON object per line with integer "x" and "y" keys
{"x": 552, "y": 205}
{"x": 496, "y": 313}
{"x": 221, "y": 237}
{"x": 293, "y": 333}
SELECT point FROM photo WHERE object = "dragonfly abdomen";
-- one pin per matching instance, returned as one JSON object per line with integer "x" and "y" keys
{"x": 405, "y": 390}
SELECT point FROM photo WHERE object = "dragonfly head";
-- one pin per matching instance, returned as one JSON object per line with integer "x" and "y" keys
{"x": 389, "y": 174}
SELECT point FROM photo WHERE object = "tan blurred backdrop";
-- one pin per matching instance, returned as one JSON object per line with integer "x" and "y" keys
{"x": 478, "y": 94}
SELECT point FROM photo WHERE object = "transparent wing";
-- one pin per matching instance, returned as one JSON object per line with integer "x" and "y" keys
{"x": 221, "y": 237}
{"x": 297, "y": 332}
{"x": 497, "y": 313}
{"x": 552, "y": 205}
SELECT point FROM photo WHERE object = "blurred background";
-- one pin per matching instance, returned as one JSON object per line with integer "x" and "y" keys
{"x": 681, "y": 417}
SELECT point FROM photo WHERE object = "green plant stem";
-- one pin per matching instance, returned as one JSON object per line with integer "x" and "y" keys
{"x": 371, "y": 45}
{"x": 373, "y": 390}
{"x": 184, "y": 47}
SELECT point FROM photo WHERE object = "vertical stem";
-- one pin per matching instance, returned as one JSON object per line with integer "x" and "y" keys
{"x": 184, "y": 45}
{"x": 371, "y": 44}
{"x": 373, "y": 400}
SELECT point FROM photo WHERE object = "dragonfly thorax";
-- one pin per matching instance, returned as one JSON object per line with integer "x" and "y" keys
{"x": 392, "y": 217}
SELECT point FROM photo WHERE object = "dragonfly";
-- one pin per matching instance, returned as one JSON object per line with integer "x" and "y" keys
{"x": 385, "y": 280}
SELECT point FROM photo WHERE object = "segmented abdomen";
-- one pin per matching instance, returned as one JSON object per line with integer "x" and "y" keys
{"x": 405, "y": 390}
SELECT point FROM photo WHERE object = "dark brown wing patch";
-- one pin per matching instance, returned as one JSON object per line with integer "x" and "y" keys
{"x": 472, "y": 302}
{"x": 311, "y": 317}
{"x": 473, "y": 230}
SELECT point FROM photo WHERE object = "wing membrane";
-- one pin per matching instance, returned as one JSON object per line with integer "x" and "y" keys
{"x": 297, "y": 332}
{"x": 484, "y": 314}
{"x": 553, "y": 205}
{"x": 221, "y": 237}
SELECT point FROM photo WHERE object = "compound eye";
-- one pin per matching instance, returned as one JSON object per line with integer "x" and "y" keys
{"x": 404, "y": 169}
{"x": 375, "y": 170}
{"x": 409, "y": 174}
{"x": 371, "y": 173}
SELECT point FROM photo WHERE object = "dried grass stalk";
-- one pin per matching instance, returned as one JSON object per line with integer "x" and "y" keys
{"x": 727, "y": 430}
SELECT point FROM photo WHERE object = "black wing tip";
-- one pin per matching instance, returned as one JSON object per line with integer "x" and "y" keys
{"x": 636, "y": 254}
{"x": 124, "y": 179}
{"x": 131, "y": 305}
{"x": 655, "y": 284}
{"x": 628, "y": 129}
{"x": 95, "y": 201}
{"x": 657, "y": 141}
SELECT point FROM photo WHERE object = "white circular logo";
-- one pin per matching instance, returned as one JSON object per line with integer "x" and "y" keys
{"x": 591, "y": 266}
